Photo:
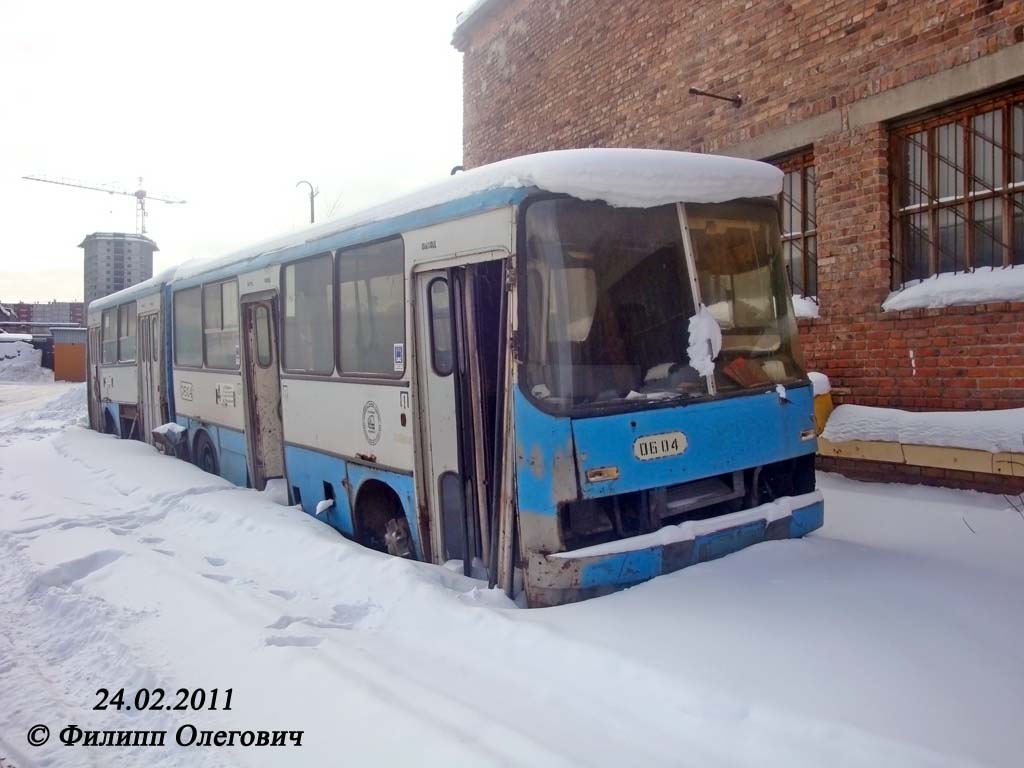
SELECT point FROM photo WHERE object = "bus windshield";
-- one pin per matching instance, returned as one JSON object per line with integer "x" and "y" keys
{"x": 608, "y": 298}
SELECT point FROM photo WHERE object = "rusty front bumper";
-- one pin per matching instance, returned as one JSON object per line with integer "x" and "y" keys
{"x": 569, "y": 577}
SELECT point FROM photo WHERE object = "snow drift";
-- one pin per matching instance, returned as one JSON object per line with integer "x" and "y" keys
{"x": 21, "y": 362}
{"x": 992, "y": 431}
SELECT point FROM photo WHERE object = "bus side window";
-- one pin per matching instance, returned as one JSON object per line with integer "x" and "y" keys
{"x": 371, "y": 309}
{"x": 126, "y": 333}
{"x": 440, "y": 326}
{"x": 220, "y": 324}
{"x": 263, "y": 356}
{"x": 110, "y": 336}
{"x": 143, "y": 343}
{"x": 307, "y": 325}
{"x": 188, "y": 327}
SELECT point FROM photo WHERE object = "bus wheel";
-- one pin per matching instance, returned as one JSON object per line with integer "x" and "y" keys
{"x": 380, "y": 520}
{"x": 204, "y": 455}
{"x": 109, "y": 427}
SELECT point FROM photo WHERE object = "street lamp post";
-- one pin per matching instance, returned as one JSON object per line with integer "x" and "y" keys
{"x": 312, "y": 193}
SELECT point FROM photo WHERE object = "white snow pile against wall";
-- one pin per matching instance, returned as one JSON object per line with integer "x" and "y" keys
{"x": 982, "y": 286}
{"x": 805, "y": 307}
{"x": 992, "y": 431}
{"x": 21, "y": 362}
{"x": 820, "y": 382}
{"x": 889, "y": 638}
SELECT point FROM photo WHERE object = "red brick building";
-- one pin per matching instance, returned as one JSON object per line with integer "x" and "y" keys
{"x": 900, "y": 126}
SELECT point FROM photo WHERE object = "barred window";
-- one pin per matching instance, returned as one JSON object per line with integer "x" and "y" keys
{"x": 800, "y": 223}
{"x": 958, "y": 196}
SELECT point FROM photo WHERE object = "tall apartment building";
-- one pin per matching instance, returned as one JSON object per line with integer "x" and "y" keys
{"x": 115, "y": 260}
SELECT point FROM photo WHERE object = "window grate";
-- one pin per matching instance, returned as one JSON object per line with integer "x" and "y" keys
{"x": 958, "y": 190}
{"x": 800, "y": 223}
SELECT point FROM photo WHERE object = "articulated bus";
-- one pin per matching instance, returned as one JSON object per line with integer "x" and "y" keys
{"x": 574, "y": 371}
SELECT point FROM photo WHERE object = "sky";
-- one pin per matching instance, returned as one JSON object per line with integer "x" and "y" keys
{"x": 224, "y": 104}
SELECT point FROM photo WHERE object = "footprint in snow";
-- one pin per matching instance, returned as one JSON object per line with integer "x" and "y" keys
{"x": 151, "y": 540}
{"x": 167, "y": 552}
{"x": 286, "y": 621}
{"x": 216, "y": 562}
{"x": 301, "y": 641}
{"x": 349, "y": 614}
{"x": 284, "y": 594}
{"x": 66, "y": 574}
{"x": 217, "y": 577}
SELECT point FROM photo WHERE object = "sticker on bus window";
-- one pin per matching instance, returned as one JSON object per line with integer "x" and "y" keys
{"x": 399, "y": 352}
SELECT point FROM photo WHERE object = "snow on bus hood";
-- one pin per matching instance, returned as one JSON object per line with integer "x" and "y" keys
{"x": 635, "y": 178}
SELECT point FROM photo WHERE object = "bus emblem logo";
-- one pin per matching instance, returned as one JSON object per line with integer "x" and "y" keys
{"x": 371, "y": 422}
{"x": 659, "y": 446}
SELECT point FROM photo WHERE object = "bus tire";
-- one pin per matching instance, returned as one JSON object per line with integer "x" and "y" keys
{"x": 380, "y": 522}
{"x": 204, "y": 453}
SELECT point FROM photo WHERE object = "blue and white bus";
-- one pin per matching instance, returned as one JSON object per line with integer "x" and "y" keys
{"x": 575, "y": 370}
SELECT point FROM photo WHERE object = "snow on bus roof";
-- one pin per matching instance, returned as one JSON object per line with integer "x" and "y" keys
{"x": 635, "y": 178}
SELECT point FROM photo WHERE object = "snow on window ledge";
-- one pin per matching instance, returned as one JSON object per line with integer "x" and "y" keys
{"x": 805, "y": 306}
{"x": 982, "y": 286}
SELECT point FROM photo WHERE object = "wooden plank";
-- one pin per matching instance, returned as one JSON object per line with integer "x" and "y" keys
{"x": 861, "y": 449}
{"x": 943, "y": 457}
{"x": 1011, "y": 464}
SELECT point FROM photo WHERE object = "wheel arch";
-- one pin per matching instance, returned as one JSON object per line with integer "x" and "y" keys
{"x": 375, "y": 502}
{"x": 205, "y": 436}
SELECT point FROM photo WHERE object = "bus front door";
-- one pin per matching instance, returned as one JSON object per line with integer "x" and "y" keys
{"x": 263, "y": 428}
{"x": 457, "y": 328}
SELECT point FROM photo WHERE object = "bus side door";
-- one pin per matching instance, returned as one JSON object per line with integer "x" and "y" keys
{"x": 438, "y": 410}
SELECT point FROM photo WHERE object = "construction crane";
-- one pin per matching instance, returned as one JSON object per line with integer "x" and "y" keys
{"x": 140, "y": 195}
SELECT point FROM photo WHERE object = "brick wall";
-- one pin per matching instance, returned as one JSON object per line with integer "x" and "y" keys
{"x": 549, "y": 74}
{"x": 579, "y": 73}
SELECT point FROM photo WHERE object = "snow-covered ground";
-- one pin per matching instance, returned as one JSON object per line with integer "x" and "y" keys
{"x": 893, "y": 637}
